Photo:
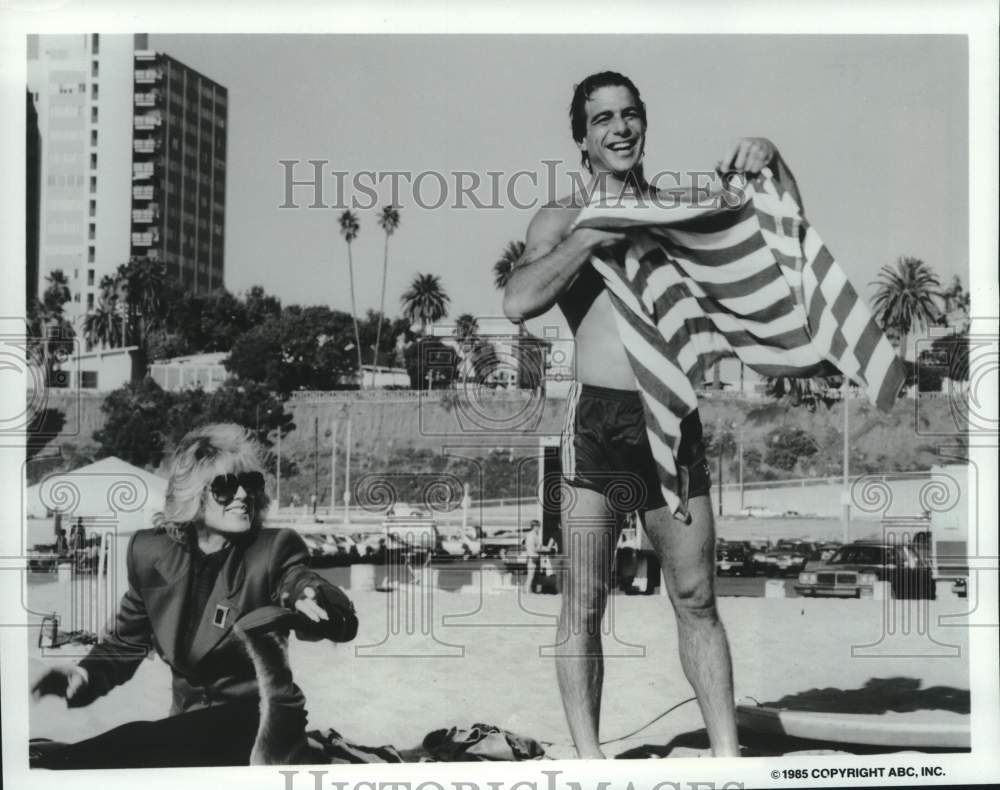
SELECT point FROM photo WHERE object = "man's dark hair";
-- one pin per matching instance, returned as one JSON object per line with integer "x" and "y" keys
{"x": 583, "y": 91}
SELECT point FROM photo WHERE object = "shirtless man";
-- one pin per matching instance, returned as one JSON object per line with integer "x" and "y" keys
{"x": 604, "y": 440}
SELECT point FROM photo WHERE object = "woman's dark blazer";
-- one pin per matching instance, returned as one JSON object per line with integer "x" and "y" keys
{"x": 268, "y": 567}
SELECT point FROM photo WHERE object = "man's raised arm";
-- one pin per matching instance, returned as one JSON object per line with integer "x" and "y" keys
{"x": 550, "y": 261}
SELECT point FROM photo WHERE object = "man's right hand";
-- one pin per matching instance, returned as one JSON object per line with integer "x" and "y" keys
{"x": 595, "y": 238}
{"x": 64, "y": 681}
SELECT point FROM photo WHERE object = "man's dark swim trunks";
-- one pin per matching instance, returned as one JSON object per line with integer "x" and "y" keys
{"x": 605, "y": 448}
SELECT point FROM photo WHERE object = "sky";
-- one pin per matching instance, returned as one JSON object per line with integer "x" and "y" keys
{"x": 874, "y": 128}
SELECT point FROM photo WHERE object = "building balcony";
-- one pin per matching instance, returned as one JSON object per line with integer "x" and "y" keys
{"x": 150, "y": 99}
{"x": 148, "y": 76}
{"x": 148, "y": 121}
{"x": 147, "y": 239}
{"x": 148, "y": 146}
{"x": 144, "y": 55}
{"x": 142, "y": 193}
{"x": 142, "y": 170}
{"x": 144, "y": 216}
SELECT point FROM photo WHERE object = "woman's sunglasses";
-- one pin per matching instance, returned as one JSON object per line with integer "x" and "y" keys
{"x": 224, "y": 487}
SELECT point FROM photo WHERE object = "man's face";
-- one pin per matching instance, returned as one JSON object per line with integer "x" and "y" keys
{"x": 616, "y": 133}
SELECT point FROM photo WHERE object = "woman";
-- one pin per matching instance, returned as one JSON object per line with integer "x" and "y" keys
{"x": 207, "y": 562}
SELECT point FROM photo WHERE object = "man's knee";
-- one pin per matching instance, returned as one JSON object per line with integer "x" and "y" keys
{"x": 693, "y": 598}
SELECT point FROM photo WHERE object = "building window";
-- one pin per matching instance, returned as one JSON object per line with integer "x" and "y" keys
{"x": 90, "y": 301}
{"x": 93, "y": 161}
{"x": 76, "y": 297}
{"x": 90, "y": 255}
{"x": 95, "y": 43}
{"x": 93, "y": 91}
{"x": 88, "y": 379}
{"x": 91, "y": 231}
{"x": 93, "y": 136}
{"x": 93, "y": 208}
{"x": 90, "y": 277}
{"x": 83, "y": 87}
{"x": 93, "y": 115}
{"x": 93, "y": 185}
{"x": 93, "y": 69}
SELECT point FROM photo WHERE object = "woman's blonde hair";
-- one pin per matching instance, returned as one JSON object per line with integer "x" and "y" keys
{"x": 199, "y": 457}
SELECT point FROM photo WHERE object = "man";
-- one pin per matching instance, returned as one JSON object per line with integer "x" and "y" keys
{"x": 604, "y": 441}
{"x": 536, "y": 552}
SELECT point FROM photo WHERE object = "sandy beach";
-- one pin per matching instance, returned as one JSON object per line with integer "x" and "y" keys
{"x": 487, "y": 658}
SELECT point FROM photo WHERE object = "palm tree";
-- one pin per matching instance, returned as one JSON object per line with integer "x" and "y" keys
{"x": 102, "y": 326}
{"x": 904, "y": 298}
{"x": 141, "y": 284}
{"x": 425, "y": 301}
{"x": 954, "y": 298}
{"x": 466, "y": 327}
{"x": 388, "y": 220}
{"x": 349, "y": 229}
{"x": 505, "y": 264}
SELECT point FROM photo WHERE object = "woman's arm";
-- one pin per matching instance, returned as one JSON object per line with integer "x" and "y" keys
{"x": 116, "y": 658}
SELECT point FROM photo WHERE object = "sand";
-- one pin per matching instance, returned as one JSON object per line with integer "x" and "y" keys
{"x": 485, "y": 659}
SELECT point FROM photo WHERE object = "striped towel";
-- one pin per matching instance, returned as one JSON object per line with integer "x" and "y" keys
{"x": 749, "y": 279}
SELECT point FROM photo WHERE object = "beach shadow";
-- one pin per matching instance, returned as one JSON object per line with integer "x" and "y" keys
{"x": 878, "y": 695}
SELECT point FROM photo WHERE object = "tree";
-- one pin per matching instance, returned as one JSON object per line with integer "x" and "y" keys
{"x": 145, "y": 291}
{"x": 787, "y": 445}
{"x": 808, "y": 392}
{"x": 52, "y": 335}
{"x": 302, "y": 348}
{"x": 103, "y": 326}
{"x": 388, "y": 221}
{"x": 425, "y": 301}
{"x": 134, "y": 429}
{"x": 430, "y": 363}
{"x": 904, "y": 297}
{"x": 349, "y": 229}
{"x": 505, "y": 264}
{"x": 955, "y": 298}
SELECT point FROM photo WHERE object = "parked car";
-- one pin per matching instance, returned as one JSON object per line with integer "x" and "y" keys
{"x": 787, "y": 558}
{"x": 858, "y": 566}
{"x": 757, "y": 511}
{"x": 733, "y": 558}
{"x": 464, "y": 545}
{"x": 820, "y": 554}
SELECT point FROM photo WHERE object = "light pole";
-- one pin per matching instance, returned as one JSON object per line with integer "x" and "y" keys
{"x": 741, "y": 465}
{"x": 347, "y": 474}
{"x": 846, "y": 494}
{"x": 333, "y": 466}
{"x": 277, "y": 503}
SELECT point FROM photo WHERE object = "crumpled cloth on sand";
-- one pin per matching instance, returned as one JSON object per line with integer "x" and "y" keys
{"x": 457, "y": 744}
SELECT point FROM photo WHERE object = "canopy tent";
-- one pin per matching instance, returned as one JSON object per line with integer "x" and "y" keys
{"x": 109, "y": 488}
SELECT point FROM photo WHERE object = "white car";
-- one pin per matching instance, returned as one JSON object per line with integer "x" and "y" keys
{"x": 757, "y": 511}
{"x": 459, "y": 544}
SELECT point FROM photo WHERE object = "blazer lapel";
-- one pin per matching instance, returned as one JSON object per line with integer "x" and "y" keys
{"x": 223, "y": 607}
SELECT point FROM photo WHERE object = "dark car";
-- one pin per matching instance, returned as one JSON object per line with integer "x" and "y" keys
{"x": 733, "y": 559}
{"x": 857, "y": 566}
{"x": 787, "y": 558}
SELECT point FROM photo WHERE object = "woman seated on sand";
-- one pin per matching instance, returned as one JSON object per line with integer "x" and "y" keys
{"x": 207, "y": 562}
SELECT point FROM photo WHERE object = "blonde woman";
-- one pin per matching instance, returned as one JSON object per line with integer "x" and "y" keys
{"x": 207, "y": 562}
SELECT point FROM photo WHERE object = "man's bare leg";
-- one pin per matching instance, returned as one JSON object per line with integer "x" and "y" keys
{"x": 687, "y": 554}
{"x": 588, "y": 528}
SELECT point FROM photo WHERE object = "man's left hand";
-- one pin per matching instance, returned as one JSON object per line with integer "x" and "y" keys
{"x": 748, "y": 155}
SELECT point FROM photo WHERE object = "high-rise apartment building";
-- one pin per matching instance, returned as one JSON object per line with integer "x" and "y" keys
{"x": 133, "y": 162}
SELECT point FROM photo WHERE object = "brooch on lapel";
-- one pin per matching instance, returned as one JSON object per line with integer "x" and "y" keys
{"x": 220, "y": 616}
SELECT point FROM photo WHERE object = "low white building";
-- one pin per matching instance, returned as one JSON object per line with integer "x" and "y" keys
{"x": 198, "y": 370}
